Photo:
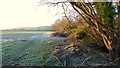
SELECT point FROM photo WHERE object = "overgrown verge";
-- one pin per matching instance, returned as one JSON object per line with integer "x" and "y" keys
{"x": 81, "y": 41}
{"x": 69, "y": 53}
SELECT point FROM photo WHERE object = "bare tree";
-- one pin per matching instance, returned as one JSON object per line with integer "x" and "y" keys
{"x": 89, "y": 14}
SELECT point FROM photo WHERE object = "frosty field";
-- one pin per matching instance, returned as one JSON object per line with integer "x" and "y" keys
{"x": 27, "y": 48}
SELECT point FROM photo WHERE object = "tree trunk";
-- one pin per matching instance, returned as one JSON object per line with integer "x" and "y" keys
{"x": 115, "y": 53}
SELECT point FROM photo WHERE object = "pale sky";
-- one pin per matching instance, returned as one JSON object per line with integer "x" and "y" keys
{"x": 25, "y": 13}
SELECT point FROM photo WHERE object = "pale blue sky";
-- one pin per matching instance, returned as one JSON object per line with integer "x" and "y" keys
{"x": 25, "y": 13}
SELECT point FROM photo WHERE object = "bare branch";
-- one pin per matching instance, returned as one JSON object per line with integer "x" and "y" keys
{"x": 65, "y": 13}
{"x": 58, "y": 60}
{"x": 58, "y": 2}
{"x": 85, "y": 61}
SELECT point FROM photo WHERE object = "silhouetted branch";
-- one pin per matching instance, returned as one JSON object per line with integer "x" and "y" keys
{"x": 65, "y": 13}
{"x": 58, "y": 2}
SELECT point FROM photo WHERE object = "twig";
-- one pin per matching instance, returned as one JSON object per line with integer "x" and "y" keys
{"x": 84, "y": 61}
{"x": 65, "y": 13}
{"x": 115, "y": 60}
{"x": 58, "y": 2}
{"x": 58, "y": 60}
{"x": 65, "y": 63}
{"x": 47, "y": 60}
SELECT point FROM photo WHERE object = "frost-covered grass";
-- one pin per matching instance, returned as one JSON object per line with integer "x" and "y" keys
{"x": 28, "y": 52}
